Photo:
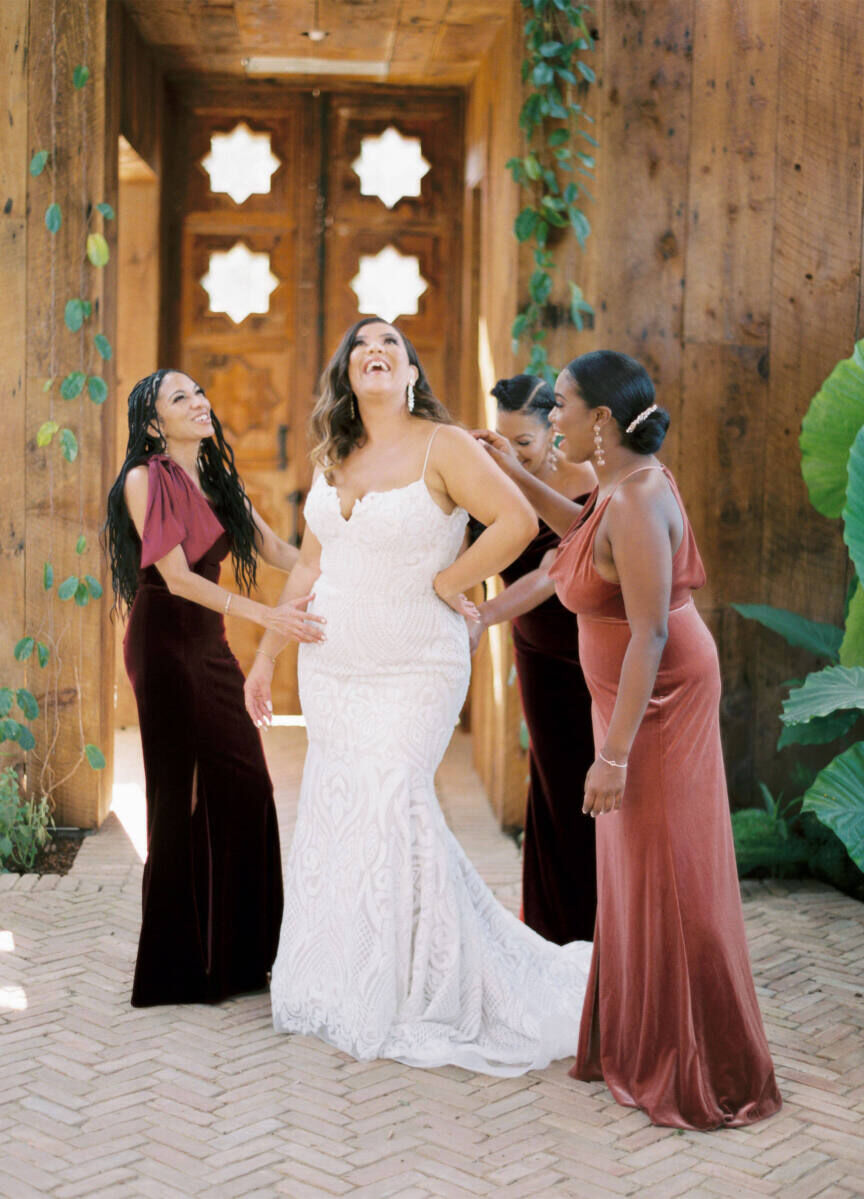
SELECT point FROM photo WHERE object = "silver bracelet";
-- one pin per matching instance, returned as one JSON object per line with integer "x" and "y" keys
{"x": 228, "y": 603}
{"x": 267, "y": 656}
{"x": 609, "y": 762}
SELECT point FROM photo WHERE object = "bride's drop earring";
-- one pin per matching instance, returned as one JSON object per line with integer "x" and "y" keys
{"x": 353, "y": 407}
{"x": 599, "y": 457}
{"x": 410, "y": 397}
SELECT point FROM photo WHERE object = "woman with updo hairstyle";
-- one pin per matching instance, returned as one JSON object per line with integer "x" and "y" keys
{"x": 559, "y": 886}
{"x": 671, "y": 1020}
{"x": 212, "y": 886}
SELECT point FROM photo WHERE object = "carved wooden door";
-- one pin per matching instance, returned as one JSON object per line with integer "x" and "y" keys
{"x": 299, "y": 238}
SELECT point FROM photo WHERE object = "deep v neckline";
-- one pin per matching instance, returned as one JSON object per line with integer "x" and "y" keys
{"x": 369, "y": 494}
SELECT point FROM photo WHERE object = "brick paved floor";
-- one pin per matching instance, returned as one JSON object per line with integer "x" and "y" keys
{"x": 99, "y": 1100}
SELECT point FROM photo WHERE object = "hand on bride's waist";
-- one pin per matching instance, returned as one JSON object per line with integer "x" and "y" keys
{"x": 458, "y": 601}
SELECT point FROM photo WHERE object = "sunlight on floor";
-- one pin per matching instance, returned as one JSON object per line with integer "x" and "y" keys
{"x": 129, "y": 805}
{"x": 13, "y": 999}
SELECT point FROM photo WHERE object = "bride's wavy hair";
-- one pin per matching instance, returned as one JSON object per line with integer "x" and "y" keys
{"x": 336, "y": 425}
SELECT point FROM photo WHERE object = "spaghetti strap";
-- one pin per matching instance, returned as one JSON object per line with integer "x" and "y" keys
{"x": 428, "y": 448}
{"x": 637, "y": 471}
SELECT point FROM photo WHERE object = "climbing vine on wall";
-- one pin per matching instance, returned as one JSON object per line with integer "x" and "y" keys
{"x": 558, "y": 158}
{"x": 18, "y": 706}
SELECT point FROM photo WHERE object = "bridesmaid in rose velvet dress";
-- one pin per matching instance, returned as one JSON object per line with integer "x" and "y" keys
{"x": 212, "y": 888}
{"x": 559, "y": 879}
{"x": 671, "y": 1020}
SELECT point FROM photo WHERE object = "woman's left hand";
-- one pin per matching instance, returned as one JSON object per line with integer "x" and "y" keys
{"x": 604, "y": 788}
{"x": 498, "y": 447}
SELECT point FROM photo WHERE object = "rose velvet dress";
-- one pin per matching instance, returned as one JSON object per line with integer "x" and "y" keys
{"x": 671, "y": 1020}
{"x": 212, "y": 888}
{"x": 559, "y": 882}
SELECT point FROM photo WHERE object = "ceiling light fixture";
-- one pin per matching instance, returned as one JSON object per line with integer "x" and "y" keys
{"x": 275, "y": 65}
{"x": 316, "y": 33}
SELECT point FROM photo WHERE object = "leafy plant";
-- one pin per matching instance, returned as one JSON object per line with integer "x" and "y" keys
{"x": 555, "y": 36}
{"x": 829, "y": 702}
{"x": 763, "y": 836}
{"x": 25, "y": 825}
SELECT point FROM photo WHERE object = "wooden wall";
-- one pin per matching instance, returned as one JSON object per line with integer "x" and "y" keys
{"x": 726, "y": 255}
{"x": 48, "y": 501}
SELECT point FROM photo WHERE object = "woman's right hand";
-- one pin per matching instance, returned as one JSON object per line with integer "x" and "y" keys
{"x": 292, "y": 620}
{"x": 257, "y": 691}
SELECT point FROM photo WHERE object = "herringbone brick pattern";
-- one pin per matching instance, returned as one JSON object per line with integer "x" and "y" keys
{"x": 104, "y": 1102}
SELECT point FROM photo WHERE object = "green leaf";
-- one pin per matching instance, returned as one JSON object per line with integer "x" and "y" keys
{"x": 558, "y": 137}
{"x": 103, "y": 345}
{"x": 27, "y": 703}
{"x": 542, "y": 75}
{"x": 67, "y": 588}
{"x": 540, "y": 286}
{"x": 7, "y": 696}
{"x": 820, "y": 638}
{"x": 88, "y": 309}
{"x": 549, "y": 49}
{"x": 106, "y": 210}
{"x": 823, "y": 692}
{"x": 835, "y": 415}
{"x": 95, "y": 757}
{"x": 98, "y": 389}
{"x": 93, "y": 586}
{"x": 72, "y": 385}
{"x": 43, "y": 653}
{"x": 532, "y": 167}
{"x": 820, "y": 730}
{"x": 47, "y": 385}
{"x": 97, "y": 249}
{"x": 82, "y": 595}
{"x": 69, "y": 444}
{"x": 837, "y": 798}
{"x": 525, "y": 223}
{"x": 853, "y": 512}
{"x": 81, "y": 544}
{"x": 23, "y": 649}
{"x": 53, "y": 218}
{"x": 25, "y": 738}
{"x": 74, "y": 315}
{"x": 586, "y": 72}
{"x": 9, "y": 730}
{"x": 80, "y": 76}
{"x": 580, "y": 224}
{"x": 46, "y": 432}
{"x": 852, "y": 646}
{"x": 38, "y": 162}
{"x": 47, "y": 576}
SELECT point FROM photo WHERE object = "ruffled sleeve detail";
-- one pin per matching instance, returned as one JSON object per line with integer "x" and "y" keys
{"x": 177, "y": 514}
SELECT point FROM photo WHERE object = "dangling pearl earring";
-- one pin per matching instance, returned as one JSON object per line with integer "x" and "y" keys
{"x": 598, "y": 447}
{"x": 410, "y": 397}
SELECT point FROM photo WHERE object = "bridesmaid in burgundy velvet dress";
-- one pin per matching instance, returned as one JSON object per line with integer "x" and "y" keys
{"x": 212, "y": 890}
{"x": 671, "y": 1020}
{"x": 559, "y": 880}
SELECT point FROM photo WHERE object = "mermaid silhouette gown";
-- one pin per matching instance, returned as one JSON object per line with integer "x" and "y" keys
{"x": 671, "y": 1020}
{"x": 212, "y": 888}
{"x": 391, "y": 944}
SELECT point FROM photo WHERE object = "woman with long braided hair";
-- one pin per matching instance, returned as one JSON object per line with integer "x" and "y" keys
{"x": 212, "y": 891}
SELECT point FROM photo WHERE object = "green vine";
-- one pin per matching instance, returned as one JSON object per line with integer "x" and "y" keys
{"x": 81, "y": 588}
{"x": 555, "y": 36}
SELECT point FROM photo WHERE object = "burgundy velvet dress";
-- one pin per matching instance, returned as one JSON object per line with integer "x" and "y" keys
{"x": 671, "y": 1020}
{"x": 212, "y": 892}
{"x": 559, "y": 881}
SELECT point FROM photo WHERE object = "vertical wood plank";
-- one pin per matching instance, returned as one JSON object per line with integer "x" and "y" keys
{"x": 13, "y": 332}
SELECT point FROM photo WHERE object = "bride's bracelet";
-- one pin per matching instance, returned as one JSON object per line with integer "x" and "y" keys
{"x": 264, "y": 655}
{"x": 609, "y": 762}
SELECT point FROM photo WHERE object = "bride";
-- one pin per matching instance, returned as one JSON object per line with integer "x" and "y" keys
{"x": 391, "y": 944}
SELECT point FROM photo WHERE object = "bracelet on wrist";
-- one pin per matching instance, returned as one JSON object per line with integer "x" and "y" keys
{"x": 609, "y": 762}
{"x": 228, "y": 603}
{"x": 265, "y": 655}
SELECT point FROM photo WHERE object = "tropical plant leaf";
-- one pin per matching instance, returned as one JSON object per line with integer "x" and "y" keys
{"x": 47, "y": 576}
{"x": 69, "y": 444}
{"x": 95, "y": 757}
{"x": 67, "y": 588}
{"x": 72, "y": 385}
{"x": 46, "y": 431}
{"x": 837, "y": 798}
{"x": 80, "y": 76}
{"x": 23, "y": 649}
{"x": 27, "y": 703}
{"x": 106, "y": 210}
{"x": 38, "y": 162}
{"x": 7, "y": 696}
{"x": 823, "y": 692}
{"x": 82, "y": 595}
{"x": 853, "y": 512}
{"x": 835, "y": 415}
{"x": 73, "y": 315}
{"x": 25, "y": 738}
{"x": 93, "y": 586}
{"x": 103, "y": 346}
{"x": 820, "y": 730}
{"x": 97, "y": 249}
{"x": 852, "y": 646}
{"x": 81, "y": 544}
{"x": 43, "y": 653}
{"x": 53, "y": 218}
{"x": 820, "y": 638}
{"x": 98, "y": 389}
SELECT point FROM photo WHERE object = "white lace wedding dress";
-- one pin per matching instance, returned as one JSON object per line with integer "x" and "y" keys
{"x": 391, "y": 945}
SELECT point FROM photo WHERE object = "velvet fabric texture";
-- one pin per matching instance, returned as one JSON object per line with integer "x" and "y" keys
{"x": 671, "y": 1020}
{"x": 212, "y": 889}
{"x": 559, "y": 880}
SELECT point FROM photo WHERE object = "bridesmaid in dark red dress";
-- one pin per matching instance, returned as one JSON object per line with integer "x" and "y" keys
{"x": 212, "y": 890}
{"x": 671, "y": 1020}
{"x": 559, "y": 883}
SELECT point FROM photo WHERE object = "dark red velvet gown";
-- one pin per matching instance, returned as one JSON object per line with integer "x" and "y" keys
{"x": 559, "y": 880}
{"x": 212, "y": 892}
{"x": 671, "y": 1020}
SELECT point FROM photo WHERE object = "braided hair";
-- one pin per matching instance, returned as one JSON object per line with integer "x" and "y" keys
{"x": 219, "y": 480}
